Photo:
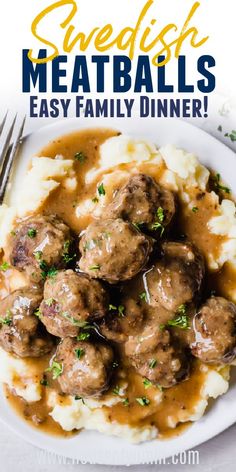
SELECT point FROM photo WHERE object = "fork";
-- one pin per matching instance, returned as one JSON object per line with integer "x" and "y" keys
{"x": 9, "y": 151}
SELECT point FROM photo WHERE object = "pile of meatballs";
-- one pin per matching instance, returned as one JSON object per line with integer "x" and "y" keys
{"x": 124, "y": 292}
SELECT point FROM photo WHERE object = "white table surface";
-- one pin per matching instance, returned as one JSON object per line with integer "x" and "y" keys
{"x": 217, "y": 455}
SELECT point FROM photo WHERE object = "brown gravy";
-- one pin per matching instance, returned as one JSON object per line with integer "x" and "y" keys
{"x": 63, "y": 202}
{"x": 88, "y": 143}
{"x": 180, "y": 397}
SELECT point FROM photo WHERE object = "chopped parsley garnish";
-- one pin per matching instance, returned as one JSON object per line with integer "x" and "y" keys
{"x": 52, "y": 272}
{"x": 143, "y": 401}
{"x": 101, "y": 190}
{"x": 126, "y": 402}
{"x": 195, "y": 209}
{"x": 143, "y": 296}
{"x": 112, "y": 307}
{"x": 218, "y": 186}
{"x": 160, "y": 387}
{"x": 49, "y": 301}
{"x": 158, "y": 223}
{"x": 8, "y": 319}
{"x": 83, "y": 336}
{"x": 77, "y": 397}
{"x": 138, "y": 226}
{"x": 56, "y": 368}
{"x": 80, "y": 156}
{"x": 115, "y": 365}
{"x": 95, "y": 200}
{"x": 38, "y": 313}
{"x": 153, "y": 363}
{"x": 121, "y": 310}
{"x": 38, "y": 255}
{"x": 182, "y": 321}
{"x": 67, "y": 258}
{"x": 160, "y": 214}
{"x": 32, "y": 233}
{"x": 231, "y": 135}
{"x": 80, "y": 324}
{"x": 147, "y": 383}
{"x": 4, "y": 266}
{"x": 46, "y": 270}
{"x": 116, "y": 390}
{"x": 44, "y": 381}
{"x": 44, "y": 267}
{"x": 182, "y": 310}
{"x": 95, "y": 267}
{"x": 79, "y": 352}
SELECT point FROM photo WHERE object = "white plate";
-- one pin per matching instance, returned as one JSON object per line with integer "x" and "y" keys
{"x": 90, "y": 446}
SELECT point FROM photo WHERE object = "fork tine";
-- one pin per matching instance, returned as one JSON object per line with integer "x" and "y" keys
{"x": 6, "y": 169}
{"x": 3, "y": 122}
{"x": 7, "y": 142}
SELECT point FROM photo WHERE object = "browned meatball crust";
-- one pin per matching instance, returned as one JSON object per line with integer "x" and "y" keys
{"x": 86, "y": 367}
{"x": 177, "y": 277}
{"x": 122, "y": 320}
{"x": 138, "y": 202}
{"x": 142, "y": 337}
{"x": 70, "y": 301}
{"x": 20, "y": 330}
{"x": 133, "y": 315}
{"x": 214, "y": 328}
{"x": 38, "y": 243}
{"x": 163, "y": 362}
{"x": 113, "y": 250}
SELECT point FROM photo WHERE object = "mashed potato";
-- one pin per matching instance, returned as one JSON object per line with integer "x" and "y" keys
{"x": 77, "y": 415}
{"x": 20, "y": 377}
{"x": 185, "y": 166}
{"x": 7, "y": 217}
{"x": 44, "y": 176}
{"x": 111, "y": 182}
{"x": 90, "y": 413}
{"x": 124, "y": 149}
{"x": 225, "y": 225}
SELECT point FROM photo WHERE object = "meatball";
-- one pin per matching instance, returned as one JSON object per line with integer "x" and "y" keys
{"x": 122, "y": 321}
{"x": 70, "y": 301}
{"x": 21, "y": 331}
{"x": 39, "y": 243}
{"x": 86, "y": 367}
{"x": 158, "y": 357}
{"x": 113, "y": 250}
{"x": 214, "y": 328}
{"x": 145, "y": 340}
{"x": 176, "y": 278}
{"x": 138, "y": 202}
{"x": 133, "y": 314}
